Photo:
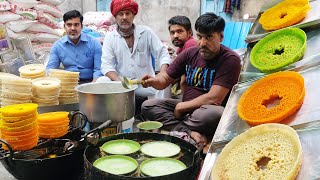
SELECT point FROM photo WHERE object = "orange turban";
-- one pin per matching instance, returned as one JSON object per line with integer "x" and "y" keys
{"x": 121, "y": 5}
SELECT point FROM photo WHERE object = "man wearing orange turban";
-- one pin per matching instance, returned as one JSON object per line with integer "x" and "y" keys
{"x": 127, "y": 50}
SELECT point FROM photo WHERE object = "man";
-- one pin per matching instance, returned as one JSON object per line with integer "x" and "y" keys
{"x": 127, "y": 50}
{"x": 211, "y": 71}
{"x": 181, "y": 36}
{"x": 76, "y": 51}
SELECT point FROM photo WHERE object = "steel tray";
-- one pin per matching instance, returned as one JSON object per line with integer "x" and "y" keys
{"x": 313, "y": 17}
{"x": 309, "y": 133}
{"x": 231, "y": 125}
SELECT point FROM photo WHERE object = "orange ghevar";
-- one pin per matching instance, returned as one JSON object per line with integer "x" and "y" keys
{"x": 53, "y": 124}
{"x": 286, "y": 87}
{"x": 284, "y": 14}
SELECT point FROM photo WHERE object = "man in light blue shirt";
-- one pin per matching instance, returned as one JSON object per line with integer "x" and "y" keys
{"x": 78, "y": 52}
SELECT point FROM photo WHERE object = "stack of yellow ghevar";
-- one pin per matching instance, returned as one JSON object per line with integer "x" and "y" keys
{"x": 53, "y": 124}
{"x": 18, "y": 126}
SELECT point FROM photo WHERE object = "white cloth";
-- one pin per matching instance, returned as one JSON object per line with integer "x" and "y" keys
{"x": 116, "y": 55}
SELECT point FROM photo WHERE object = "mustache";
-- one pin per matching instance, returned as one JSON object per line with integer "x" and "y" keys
{"x": 176, "y": 39}
{"x": 203, "y": 48}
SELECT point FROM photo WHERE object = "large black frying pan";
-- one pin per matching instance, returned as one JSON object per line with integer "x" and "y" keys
{"x": 66, "y": 165}
{"x": 191, "y": 157}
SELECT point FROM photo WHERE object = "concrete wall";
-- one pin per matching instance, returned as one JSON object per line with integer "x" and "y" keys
{"x": 69, "y": 5}
{"x": 156, "y": 13}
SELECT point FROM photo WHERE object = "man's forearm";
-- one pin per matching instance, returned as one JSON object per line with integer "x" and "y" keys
{"x": 113, "y": 76}
{"x": 164, "y": 68}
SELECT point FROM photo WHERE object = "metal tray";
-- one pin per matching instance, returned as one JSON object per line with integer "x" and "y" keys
{"x": 231, "y": 125}
{"x": 309, "y": 134}
{"x": 313, "y": 17}
{"x": 311, "y": 54}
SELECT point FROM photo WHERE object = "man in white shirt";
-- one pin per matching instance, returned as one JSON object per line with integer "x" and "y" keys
{"x": 127, "y": 50}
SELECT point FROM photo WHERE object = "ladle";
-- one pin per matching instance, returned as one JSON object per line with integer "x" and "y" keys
{"x": 126, "y": 83}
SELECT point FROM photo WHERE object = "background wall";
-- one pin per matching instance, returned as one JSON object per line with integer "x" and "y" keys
{"x": 152, "y": 13}
{"x": 156, "y": 13}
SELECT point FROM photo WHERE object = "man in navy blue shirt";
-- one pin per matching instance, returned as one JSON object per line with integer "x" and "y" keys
{"x": 78, "y": 52}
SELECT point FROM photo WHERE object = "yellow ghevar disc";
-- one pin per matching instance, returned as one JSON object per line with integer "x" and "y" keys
{"x": 19, "y": 110}
{"x": 284, "y": 14}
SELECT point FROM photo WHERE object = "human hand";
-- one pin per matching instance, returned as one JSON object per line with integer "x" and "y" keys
{"x": 178, "y": 113}
{"x": 171, "y": 51}
{"x": 147, "y": 81}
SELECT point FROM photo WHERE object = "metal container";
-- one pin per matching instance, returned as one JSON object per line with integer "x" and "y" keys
{"x": 106, "y": 101}
{"x": 150, "y": 126}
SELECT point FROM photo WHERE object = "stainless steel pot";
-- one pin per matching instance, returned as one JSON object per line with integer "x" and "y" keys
{"x": 106, "y": 101}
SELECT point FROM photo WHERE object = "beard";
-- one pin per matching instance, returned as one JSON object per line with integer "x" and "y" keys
{"x": 177, "y": 43}
{"x": 73, "y": 37}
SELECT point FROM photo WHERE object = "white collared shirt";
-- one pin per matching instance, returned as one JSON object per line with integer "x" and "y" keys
{"x": 116, "y": 55}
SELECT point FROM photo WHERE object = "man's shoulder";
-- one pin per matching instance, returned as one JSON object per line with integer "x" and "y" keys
{"x": 91, "y": 38}
{"x": 188, "y": 53}
{"x": 191, "y": 42}
{"x": 192, "y": 49}
{"x": 228, "y": 53}
{"x": 60, "y": 42}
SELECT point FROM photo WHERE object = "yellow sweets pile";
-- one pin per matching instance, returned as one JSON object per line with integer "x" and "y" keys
{"x": 18, "y": 126}
{"x": 53, "y": 124}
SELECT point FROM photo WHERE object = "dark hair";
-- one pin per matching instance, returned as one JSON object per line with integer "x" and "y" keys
{"x": 209, "y": 23}
{"x": 72, "y": 14}
{"x": 180, "y": 20}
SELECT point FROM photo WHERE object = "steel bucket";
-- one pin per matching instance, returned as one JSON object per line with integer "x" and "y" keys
{"x": 106, "y": 101}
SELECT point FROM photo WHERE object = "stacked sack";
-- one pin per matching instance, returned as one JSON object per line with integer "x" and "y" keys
{"x": 36, "y": 19}
{"x": 15, "y": 90}
{"x": 69, "y": 80}
{"x": 101, "y": 22}
{"x": 32, "y": 71}
{"x": 18, "y": 126}
{"x": 53, "y": 124}
{"x": 46, "y": 91}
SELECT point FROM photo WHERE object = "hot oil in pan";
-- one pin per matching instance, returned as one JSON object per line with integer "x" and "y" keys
{"x": 184, "y": 156}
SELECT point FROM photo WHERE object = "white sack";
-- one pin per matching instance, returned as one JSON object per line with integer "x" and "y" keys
{"x": 38, "y": 48}
{"x": 45, "y": 37}
{"x": 5, "y": 6}
{"x": 24, "y": 3}
{"x": 14, "y": 35}
{"x": 40, "y": 27}
{"x": 53, "y": 2}
{"x": 48, "y": 20}
{"x": 48, "y": 8}
{"x": 7, "y": 16}
{"x": 97, "y": 18}
{"x": 26, "y": 13}
{"x": 20, "y": 25}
